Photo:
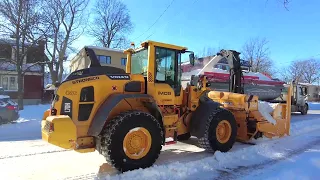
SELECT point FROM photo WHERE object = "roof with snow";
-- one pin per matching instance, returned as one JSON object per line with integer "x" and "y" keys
{"x": 4, "y": 96}
{"x": 12, "y": 42}
{"x": 30, "y": 67}
{"x": 104, "y": 48}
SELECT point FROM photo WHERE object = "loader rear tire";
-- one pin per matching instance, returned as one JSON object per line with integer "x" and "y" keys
{"x": 221, "y": 131}
{"x": 132, "y": 140}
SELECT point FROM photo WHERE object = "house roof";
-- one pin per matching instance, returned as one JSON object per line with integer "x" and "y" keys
{"x": 105, "y": 49}
{"x": 29, "y": 67}
{"x": 12, "y": 42}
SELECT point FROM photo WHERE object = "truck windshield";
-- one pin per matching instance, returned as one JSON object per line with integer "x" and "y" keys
{"x": 139, "y": 62}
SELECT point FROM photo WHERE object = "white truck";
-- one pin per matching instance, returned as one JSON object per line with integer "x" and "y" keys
{"x": 299, "y": 101}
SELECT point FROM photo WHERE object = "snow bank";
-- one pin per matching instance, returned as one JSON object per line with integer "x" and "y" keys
{"x": 32, "y": 113}
{"x": 187, "y": 75}
{"x": 314, "y": 105}
{"x": 27, "y": 127}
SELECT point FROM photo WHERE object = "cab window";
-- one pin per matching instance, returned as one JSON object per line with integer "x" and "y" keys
{"x": 165, "y": 65}
{"x": 168, "y": 68}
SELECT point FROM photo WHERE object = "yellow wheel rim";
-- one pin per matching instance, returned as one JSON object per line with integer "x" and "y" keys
{"x": 223, "y": 131}
{"x": 137, "y": 143}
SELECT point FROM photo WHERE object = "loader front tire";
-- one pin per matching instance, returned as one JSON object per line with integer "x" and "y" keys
{"x": 132, "y": 140}
{"x": 221, "y": 131}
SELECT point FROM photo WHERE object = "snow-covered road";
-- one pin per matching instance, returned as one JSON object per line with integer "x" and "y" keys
{"x": 302, "y": 164}
{"x": 23, "y": 155}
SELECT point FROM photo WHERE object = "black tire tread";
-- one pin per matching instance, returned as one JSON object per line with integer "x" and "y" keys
{"x": 204, "y": 141}
{"x": 109, "y": 130}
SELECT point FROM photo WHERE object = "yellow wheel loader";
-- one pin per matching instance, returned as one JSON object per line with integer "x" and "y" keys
{"x": 127, "y": 115}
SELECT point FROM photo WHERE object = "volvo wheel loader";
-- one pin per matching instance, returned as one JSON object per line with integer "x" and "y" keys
{"x": 126, "y": 115}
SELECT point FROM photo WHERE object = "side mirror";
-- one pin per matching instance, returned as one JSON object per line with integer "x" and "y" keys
{"x": 191, "y": 58}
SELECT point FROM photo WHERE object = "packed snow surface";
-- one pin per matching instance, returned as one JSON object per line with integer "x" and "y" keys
{"x": 24, "y": 155}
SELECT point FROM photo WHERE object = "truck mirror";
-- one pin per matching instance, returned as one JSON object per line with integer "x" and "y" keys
{"x": 191, "y": 58}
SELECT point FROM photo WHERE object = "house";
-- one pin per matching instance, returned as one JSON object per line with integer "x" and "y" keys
{"x": 33, "y": 72}
{"x": 106, "y": 56}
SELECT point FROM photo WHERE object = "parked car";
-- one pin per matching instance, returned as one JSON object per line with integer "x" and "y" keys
{"x": 9, "y": 110}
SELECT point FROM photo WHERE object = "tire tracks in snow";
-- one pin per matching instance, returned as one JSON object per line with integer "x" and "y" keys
{"x": 82, "y": 177}
{"x": 32, "y": 154}
{"x": 240, "y": 171}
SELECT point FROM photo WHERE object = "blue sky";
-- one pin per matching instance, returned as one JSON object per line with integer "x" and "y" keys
{"x": 196, "y": 24}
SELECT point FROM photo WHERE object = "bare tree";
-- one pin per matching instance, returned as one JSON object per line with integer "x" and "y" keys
{"x": 302, "y": 71}
{"x": 293, "y": 72}
{"x": 285, "y": 4}
{"x": 256, "y": 52}
{"x": 65, "y": 20}
{"x": 20, "y": 21}
{"x": 311, "y": 71}
{"x": 111, "y": 24}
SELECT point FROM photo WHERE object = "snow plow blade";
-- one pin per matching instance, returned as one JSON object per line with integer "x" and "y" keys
{"x": 251, "y": 116}
{"x": 281, "y": 115}
{"x": 60, "y": 131}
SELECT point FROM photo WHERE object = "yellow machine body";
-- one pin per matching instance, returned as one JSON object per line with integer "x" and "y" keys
{"x": 88, "y": 101}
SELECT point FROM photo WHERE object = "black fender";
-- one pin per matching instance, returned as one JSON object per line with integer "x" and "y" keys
{"x": 107, "y": 106}
{"x": 200, "y": 115}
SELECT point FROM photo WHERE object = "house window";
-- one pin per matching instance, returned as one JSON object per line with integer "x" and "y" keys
{"x": 123, "y": 61}
{"x": 9, "y": 82}
{"x": 104, "y": 59}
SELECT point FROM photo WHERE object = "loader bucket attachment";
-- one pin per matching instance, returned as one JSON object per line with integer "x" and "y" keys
{"x": 282, "y": 116}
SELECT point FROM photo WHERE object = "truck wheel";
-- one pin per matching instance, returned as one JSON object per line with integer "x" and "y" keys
{"x": 304, "y": 110}
{"x": 132, "y": 140}
{"x": 184, "y": 137}
{"x": 221, "y": 131}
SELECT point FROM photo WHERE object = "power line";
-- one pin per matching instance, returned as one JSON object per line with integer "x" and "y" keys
{"x": 170, "y": 20}
{"x": 156, "y": 20}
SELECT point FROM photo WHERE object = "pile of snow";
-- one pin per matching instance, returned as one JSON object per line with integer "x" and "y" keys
{"x": 187, "y": 75}
{"x": 27, "y": 127}
{"x": 32, "y": 112}
{"x": 266, "y": 109}
{"x": 260, "y": 75}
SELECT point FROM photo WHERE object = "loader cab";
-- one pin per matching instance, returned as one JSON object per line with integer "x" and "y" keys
{"x": 160, "y": 64}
